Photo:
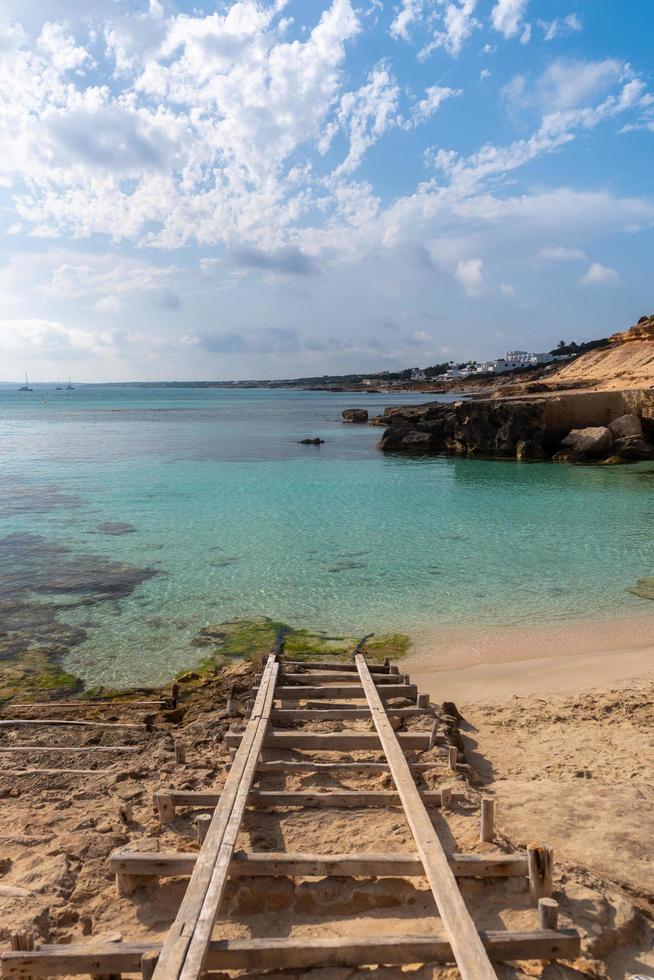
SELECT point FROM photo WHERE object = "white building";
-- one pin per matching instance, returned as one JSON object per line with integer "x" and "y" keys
{"x": 418, "y": 375}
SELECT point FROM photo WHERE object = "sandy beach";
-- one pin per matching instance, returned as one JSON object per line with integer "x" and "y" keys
{"x": 476, "y": 664}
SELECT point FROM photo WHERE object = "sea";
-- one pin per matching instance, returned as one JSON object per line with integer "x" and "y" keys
{"x": 143, "y": 515}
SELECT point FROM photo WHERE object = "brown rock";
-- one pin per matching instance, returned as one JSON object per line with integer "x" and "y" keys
{"x": 633, "y": 448}
{"x": 594, "y": 441}
{"x": 626, "y": 427}
{"x": 358, "y": 415}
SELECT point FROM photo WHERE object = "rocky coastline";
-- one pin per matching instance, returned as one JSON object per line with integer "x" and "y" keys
{"x": 577, "y": 427}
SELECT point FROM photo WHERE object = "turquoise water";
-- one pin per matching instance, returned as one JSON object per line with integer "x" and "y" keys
{"x": 222, "y": 514}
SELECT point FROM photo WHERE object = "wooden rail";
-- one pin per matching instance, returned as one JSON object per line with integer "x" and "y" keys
{"x": 467, "y": 947}
{"x": 190, "y": 949}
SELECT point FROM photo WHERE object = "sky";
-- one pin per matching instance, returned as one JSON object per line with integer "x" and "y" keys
{"x": 235, "y": 190}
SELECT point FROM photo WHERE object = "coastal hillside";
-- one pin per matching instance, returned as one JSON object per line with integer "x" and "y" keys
{"x": 628, "y": 362}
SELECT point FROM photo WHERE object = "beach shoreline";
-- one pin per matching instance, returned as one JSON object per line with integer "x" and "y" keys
{"x": 478, "y": 663}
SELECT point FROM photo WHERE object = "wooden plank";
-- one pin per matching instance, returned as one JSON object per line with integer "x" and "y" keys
{"x": 342, "y": 714}
{"x": 294, "y": 953}
{"x": 310, "y": 798}
{"x": 467, "y": 947}
{"x": 309, "y": 678}
{"x": 272, "y": 864}
{"x": 185, "y": 948}
{"x": 57, "y": 705}
{"x": 58, "y": 772}
{"x": 71, "y": 748}
{"x": 354, "y": 692}
{"x": 332, "y": 741}
{"x": 342, "y": 768}
{"x": 66, "y": 723}
{"x": 346, "y": 665}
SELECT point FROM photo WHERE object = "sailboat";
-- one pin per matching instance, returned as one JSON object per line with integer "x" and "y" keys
{"x": 59, "y": 386}
{"x": 69, "y": 386}
{"x": 26, "y": 386}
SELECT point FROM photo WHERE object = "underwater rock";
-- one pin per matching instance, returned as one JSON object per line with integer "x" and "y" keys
{"x": 116, "y": 527}
{"x": 40, "y": 577}
{"x": 345, "y": 566}
{"x": 311, "y": 442}
{"x": 644, "y": 588}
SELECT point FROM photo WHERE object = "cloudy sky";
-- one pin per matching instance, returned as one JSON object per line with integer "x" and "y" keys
{"x": 270, "y": 189}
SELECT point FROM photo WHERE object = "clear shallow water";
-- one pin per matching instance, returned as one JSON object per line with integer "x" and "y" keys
{"x": 236, "y": 519}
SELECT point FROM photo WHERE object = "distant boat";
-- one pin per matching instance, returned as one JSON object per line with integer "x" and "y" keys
{"x": 59, "y": 387}
{"x": 69, "y": 386}
{"x": 26, "y": 386}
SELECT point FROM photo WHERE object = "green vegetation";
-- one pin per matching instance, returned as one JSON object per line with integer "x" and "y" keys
{"x": 34, "y": 675}
{"x": 571, "y": 347}
{"x": 253, "y": 639}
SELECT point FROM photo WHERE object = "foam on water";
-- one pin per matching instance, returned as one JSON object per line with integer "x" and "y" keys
{"x": 210, "y": 489}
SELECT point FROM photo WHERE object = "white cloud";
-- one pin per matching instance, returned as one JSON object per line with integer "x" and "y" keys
{"x": 61, "y": 48}
{"x": 469, "y": 274}
{"x": 598, "y": 275}
{"x": 561, "y": 253}
{"x": 484, "y": 73}
{"x": 506, "y": 16}
{"x": 47, "y": 338}
{"x": 110, "y": 304}
{"x": 560, "y": 26}
{"x": 457, "y": 25}
{"x": 506, "y": 289}
{"x": 409, "y": 12}
{"x": 434, "y": 96}
{"x": 367, "y": 113}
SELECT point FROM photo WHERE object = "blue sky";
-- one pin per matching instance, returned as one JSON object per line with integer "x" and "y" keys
{"x": 274, "y": 189}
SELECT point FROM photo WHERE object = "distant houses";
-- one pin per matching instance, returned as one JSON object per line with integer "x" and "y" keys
{"x": 514, "y": 360}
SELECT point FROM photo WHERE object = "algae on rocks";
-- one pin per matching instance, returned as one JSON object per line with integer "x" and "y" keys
{"x": 254, "y": 638}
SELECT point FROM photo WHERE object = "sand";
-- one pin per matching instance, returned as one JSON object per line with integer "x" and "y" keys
{"x": 566, "y": 769}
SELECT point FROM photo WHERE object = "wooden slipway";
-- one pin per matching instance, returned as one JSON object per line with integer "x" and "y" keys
{"x": 191, "y": 948}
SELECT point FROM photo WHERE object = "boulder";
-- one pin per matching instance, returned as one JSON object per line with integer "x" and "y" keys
{"x": 358, "y": 415}
{"x": 626, "y": 427}
{"x": 311, "y": 442}
{"x": 633, "y": 447}
{"x": 595, "y": 441}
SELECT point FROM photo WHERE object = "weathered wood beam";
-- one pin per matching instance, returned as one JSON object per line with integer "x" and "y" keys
{"x": 345, "y": 665}
{"x": 65, "y": 723}
{"x": 58, "y": 772}
{"x": 343, "y": 768}
{"x": 342, "y": 714}
{"x": 467, "y": 947}
{"x": 332, "y": 741}
{"x": 185, "y": 950}
{"x": 106, "y": 703}
{"x": 272, "y": 864}
{"x": 354, "y": 692}
{"x": 308, "y": 798}
{"x": 71, "y": 748}
{"x": 292, "y": 953}
{"x": 310, "y": 678}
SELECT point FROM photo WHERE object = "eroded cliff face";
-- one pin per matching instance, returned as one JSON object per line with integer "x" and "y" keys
{"x": 520, "y": 428}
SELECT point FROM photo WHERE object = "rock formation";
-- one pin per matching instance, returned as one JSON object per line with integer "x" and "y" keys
{"x": 643, "y": 330}
{"x": 359, "y": 415}
{"x": 571, "y": 426}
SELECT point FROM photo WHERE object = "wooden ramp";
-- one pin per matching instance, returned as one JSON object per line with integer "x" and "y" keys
{"x": 191, "y": 950}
